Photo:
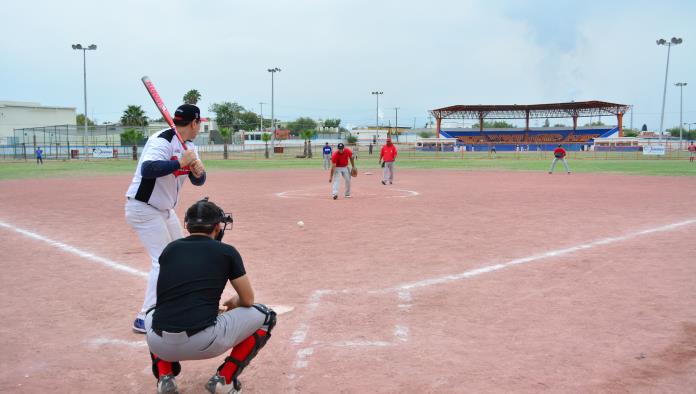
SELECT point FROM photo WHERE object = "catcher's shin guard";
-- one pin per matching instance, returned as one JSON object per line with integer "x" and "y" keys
{"x": 246, "y": 350}
{"x": 161, "y": 367}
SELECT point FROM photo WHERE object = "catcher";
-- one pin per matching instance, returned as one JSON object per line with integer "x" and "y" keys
{"x": 185, "y": 324}
{"x": 339, "y": 165}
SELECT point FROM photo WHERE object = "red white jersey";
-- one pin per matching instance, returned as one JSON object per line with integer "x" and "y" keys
{"x": 692, "y": 148}
{"x": 162, "y": 192}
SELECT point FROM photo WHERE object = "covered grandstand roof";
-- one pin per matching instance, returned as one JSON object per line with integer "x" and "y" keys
{"x": 557, "y": 110}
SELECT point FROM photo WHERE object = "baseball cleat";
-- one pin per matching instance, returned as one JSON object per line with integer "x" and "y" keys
{"x": 217, "y": 385}
{"x": 384, "y": 183}
{"x": 347, "y": 196}
{"x": 335, "y": 197}
{"x": 167, "y": 385}
{"x": 139, "y": 326}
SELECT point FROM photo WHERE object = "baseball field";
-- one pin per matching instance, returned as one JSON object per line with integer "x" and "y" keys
{"x": 464, "y": 276}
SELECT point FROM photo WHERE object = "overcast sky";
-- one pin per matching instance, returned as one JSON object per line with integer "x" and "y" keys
{"x": 334, "y": 53}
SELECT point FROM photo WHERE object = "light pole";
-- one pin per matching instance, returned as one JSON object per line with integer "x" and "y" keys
{"x": 273, "y": 123}
{"x": 662, "y": 41}
{"x": 84, "y": 50}
{"x": 396, "y": 123}
{"x": 681, "y": 85}
{"x": 377, "y": 93}
{"x": 261, "y": 130}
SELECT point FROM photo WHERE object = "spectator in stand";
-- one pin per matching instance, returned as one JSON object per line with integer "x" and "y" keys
{"x": 559, "y": 154}
{"x": 692, "y": 152}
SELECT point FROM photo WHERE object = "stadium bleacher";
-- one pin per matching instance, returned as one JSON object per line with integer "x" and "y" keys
{"x": 544, "y": 138}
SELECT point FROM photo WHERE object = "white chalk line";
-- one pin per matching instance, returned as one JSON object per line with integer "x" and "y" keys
{"x": 101, "y": 341}
{"x": 73, "y": 250}
{"x": 404, "y": 290}
{"x": 279, "y": 309}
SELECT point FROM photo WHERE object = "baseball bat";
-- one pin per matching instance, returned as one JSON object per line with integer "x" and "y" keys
{"x": 162, "y": 108}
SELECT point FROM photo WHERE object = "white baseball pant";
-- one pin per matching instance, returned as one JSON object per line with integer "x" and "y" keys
{"x": 156, "y": 229}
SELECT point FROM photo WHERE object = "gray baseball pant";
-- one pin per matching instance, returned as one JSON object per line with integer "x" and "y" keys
{"x": 555, "y": 160}
{"x": 343, "y": 171}
{"x": 230, "y": 328}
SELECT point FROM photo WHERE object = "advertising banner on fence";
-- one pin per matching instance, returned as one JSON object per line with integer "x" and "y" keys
{"x": 102, "y": 153}
{"x": 653, "y": 149}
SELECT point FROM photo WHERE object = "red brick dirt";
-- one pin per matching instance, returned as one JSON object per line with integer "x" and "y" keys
{"x": 381, "y": 302}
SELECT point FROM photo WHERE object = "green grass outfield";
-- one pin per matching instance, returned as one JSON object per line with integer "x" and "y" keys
{"x": 58, "y": 168}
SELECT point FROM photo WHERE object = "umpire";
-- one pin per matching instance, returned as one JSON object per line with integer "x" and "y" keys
{"x": 186, "y": 323}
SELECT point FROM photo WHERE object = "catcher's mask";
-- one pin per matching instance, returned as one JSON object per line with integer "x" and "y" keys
{"x": 204, "y": 215}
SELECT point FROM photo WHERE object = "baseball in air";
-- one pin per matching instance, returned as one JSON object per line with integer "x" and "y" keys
{"x": 300, "y": 223}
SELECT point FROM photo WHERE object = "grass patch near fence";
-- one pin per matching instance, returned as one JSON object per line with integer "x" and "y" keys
{"x": 72, "y": 168}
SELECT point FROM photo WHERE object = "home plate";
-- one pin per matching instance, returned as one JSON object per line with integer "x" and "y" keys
{"x": 281, "y": 309}
{"x": 367, "y": 173}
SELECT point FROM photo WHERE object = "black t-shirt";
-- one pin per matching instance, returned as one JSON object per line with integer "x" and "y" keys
{"x": 193, "y": 274}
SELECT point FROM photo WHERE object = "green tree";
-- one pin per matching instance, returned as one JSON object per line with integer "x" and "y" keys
{"x": 498, "y": 124}
{"x": 630, "y": 133}
{"x": 133, "y": 115}
{"x": 226, "y": 113}
{"x": 265, "y": 137}
{"x": 248, "y": 120}
{"x": 644, "y": 128}
{"x": 225, "y": 132}
{"x": 426, "y": 134}
{"x": 192, "y": 97}
{"x": 351, "y": 139}
{"x": 132, "y": 136}
{"x": 300, "y": 124}
{"x": 597, "y": 123}
{"x": 80, "y": 120}
{"x": 307, "y": 135}
{"x": 332, "y": 122}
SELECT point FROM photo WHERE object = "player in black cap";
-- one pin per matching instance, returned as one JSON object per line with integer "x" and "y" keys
{"x": 154, "y": 191}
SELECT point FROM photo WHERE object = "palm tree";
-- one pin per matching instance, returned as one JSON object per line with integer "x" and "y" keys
{"x": 192, "y": 97}
{"x": 132, "y": 136}
{"x": 307, "y": 136}
{"x": 134, "y": 116}
{"x": 225, "y": 133}
{"x": 265, "y": 137}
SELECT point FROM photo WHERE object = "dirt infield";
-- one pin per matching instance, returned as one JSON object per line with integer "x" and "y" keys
{"x": 445, "y": 282}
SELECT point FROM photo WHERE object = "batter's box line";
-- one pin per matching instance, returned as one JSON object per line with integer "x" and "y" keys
{"x": 404, "y": 290}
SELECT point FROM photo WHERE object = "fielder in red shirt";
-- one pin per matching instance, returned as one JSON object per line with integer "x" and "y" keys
{"x": 339, "y": 166}
{"x": 692, "y": 152}
{"x": 387, "y": 156}
{"x": 559, "y": 154}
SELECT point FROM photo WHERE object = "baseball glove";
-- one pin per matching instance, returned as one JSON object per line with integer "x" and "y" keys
{"x": 354, "y": 172}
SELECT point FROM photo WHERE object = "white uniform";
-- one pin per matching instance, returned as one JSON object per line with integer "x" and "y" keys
{"x": 151, "y": 201}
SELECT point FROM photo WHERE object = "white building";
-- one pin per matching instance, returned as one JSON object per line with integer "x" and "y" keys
{"x": 17, "y": 115}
